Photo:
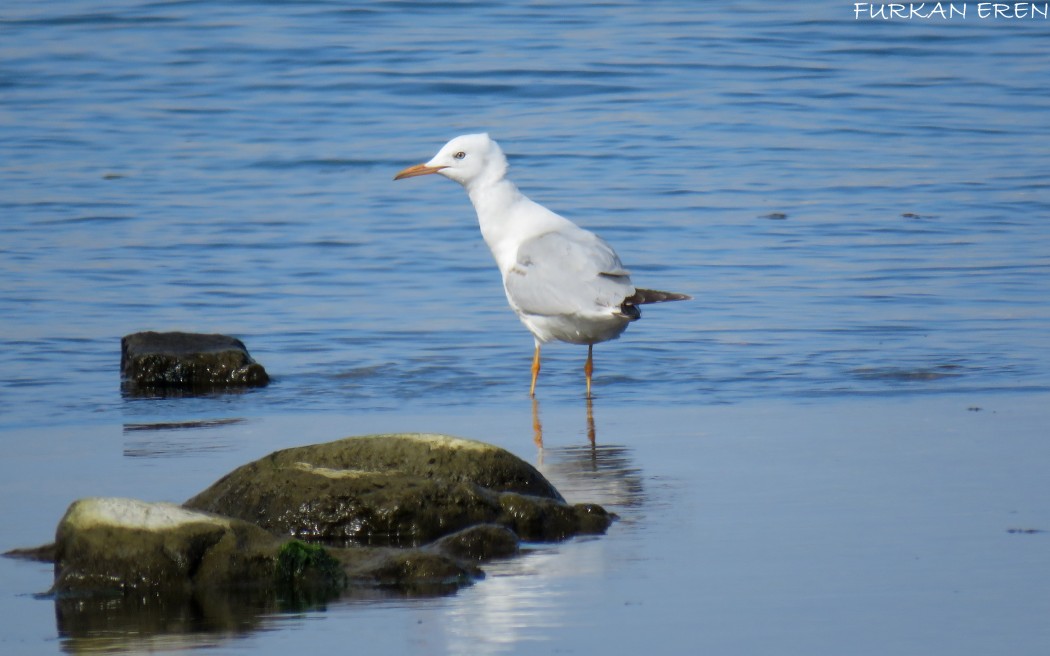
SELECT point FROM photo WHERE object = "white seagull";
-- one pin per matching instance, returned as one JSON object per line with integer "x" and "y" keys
{"x": 564, "y": 282}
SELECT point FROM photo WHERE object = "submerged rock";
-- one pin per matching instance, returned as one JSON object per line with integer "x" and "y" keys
{"x": 153, "y": 363}
{"x": 396, "y": 490}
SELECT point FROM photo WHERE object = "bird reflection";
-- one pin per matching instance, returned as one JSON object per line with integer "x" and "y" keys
{"x": 587, "y": 471}
{"x": 537, "y": 425}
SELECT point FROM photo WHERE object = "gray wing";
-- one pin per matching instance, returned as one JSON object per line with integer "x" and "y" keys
{"x": 567, "y": 272}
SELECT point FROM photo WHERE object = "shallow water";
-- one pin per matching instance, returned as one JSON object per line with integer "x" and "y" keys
{"x": 858, "y": 206}
{"x": 865, "y": 526}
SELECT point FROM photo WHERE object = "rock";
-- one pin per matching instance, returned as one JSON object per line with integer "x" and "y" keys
{"x": 127, "y": 546}
{"x": 414, "y": 570}
{"x": 546, "y": 519}
{"x": 298, "y": 560}
{"x": 426, "y": 456}
{"x": 153, "y": 363}
{"x": 479, "y": 543}
{"x": 403, "y": 490}
{"x": 358, "y": 502}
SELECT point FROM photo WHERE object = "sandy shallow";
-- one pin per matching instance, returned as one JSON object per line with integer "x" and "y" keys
{"x": 880, "y": 525}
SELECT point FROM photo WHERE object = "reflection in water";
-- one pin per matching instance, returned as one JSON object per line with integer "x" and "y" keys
{"x": 201, "y": 619}
{"x": 519, "y": 597}
{"x": 590, "y": 420}
{"x": 590, "y": 472}
{"x": 176, "y": 425}
{"x": 537, "y": 425}
{"x": 133, "y": 623}
{"x": 177, "y": 439}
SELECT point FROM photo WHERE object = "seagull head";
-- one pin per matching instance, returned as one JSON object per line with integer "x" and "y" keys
{"x": 468, "y": 159}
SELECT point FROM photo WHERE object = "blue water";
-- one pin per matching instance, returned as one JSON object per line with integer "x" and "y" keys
{"x": 859, "y": 207}
{"x": 227, "y": 167}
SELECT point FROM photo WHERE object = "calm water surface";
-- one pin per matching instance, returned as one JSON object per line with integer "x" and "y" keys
{"x": 859, "y": 208}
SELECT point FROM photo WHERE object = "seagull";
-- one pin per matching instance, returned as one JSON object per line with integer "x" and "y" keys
{"x": 565, "y": 283}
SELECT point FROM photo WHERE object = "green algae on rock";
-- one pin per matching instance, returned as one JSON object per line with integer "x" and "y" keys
{"x": 108, "y": 546}
{"x": 400, "y": 489}
{"x": 415, "y": 513}
{"x": 299, "y": 565}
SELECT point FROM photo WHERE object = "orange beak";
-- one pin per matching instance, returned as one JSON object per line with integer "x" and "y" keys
{"x": 418, "y": 169}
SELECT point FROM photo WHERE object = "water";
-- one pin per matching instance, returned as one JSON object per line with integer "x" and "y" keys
{"x": 858, "y": 206}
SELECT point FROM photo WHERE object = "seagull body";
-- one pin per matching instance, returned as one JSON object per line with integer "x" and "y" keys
{"x": 565, "y": 283}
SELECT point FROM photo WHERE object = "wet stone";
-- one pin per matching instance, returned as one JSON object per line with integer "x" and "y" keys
{"x": 117, "y": 547}
{"x": 125, "y": 546}
{"x": 416, "y": 513}
{"x": 479, "y": 543}
{"x": 401, "y": 490}
{"x": 172, "y": 362}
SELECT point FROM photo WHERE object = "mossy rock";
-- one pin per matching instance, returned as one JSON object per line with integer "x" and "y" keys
{"x": 414, "y": 513}
{"x": 113, "y": 545}
{"x": 116, "y": 547}
{"x": 403, "y": 489}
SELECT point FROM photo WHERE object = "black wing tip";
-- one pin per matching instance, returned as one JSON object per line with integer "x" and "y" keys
{"x": 629, "y": 311}
{"x": 646, "y": 296}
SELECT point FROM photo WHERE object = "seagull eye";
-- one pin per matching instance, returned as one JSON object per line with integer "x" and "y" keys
{"x": 459, "y": 155}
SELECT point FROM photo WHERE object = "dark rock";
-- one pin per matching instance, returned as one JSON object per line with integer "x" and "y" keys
{"x": 395, "y": 490}
{"x": 152, "y": 363}
{"x": 479, "y": 543}
{"x": 593, "y": 519}
{"x": 412, "y": 570}
{"x": 339, "y": 506}
{"x": 546, "y": 519}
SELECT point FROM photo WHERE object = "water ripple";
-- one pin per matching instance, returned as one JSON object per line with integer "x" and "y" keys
{"x": 858, "y": 208}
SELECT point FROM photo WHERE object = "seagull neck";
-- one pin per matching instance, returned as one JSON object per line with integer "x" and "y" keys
{"x": 494, "y": 202}
{"x": 493, "y": 197}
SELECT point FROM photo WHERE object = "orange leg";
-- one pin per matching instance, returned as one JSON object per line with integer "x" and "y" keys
{"x": 535, "y": 370}
{"x": 588, "y": 368}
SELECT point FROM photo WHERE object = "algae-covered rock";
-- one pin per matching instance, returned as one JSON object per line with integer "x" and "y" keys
{"x": 358, "y": 502}
{"x": 114, "y": 546}
{"x": 338, "y": 506}
{"x": 479, "y": 543}
{"x": 424, "y": 455}
{"x": 544, "y": 519}
{"x": 395, "y": 490}
{"x": 130, "y": 546}
{"x": 297, "y": 561}
{"x": 152, "y": 362}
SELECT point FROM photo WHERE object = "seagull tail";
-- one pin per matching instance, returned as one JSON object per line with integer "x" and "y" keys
{"x": 629, "y": 308}
{"x": 646, "y": 296}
